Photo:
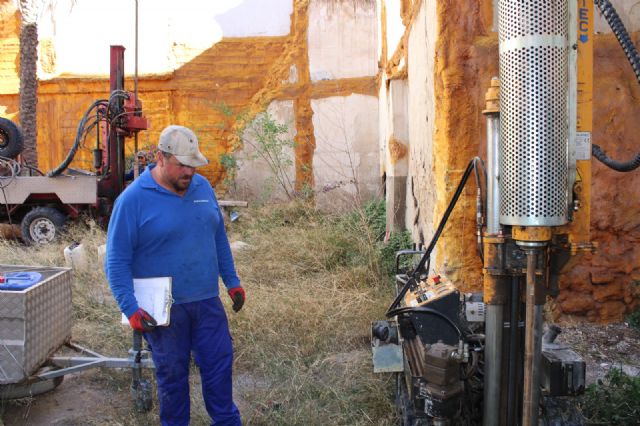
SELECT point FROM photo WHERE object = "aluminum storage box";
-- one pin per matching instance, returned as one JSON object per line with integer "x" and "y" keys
{"x": 34, "y": 322}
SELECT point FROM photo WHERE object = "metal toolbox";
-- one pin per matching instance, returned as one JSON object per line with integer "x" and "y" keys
{"x": 34, "y": 322}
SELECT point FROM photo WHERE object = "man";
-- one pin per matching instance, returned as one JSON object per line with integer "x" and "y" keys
{"x": 168, "y": 223}
{"x": 142, "y": 163}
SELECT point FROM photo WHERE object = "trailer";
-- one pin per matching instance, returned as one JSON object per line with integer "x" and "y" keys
{"x": 36, "y": 346}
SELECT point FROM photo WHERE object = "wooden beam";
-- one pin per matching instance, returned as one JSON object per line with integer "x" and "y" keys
{"x": 231, "y": 203}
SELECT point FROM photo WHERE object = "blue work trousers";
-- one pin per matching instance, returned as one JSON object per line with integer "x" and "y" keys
{"x": 200, "y": 327}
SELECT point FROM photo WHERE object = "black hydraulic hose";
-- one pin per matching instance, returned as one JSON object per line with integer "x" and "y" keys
{"x": 618, "y": 28}
{"x": 427, "y": 255}
{"x": 76, "y": 144}
{"x": 425, "y": 310}
{"x": 612, "y": 164}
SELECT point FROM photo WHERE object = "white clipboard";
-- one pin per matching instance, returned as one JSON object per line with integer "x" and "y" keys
{"x": 154, "y": 296}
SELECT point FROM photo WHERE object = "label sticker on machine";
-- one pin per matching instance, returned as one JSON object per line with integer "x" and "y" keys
{"x": 583, "y": 145}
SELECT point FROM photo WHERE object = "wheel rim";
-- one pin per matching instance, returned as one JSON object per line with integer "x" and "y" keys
{"x": 42, "y": 230}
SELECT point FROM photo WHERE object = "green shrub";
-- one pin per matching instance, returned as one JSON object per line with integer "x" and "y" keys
{"x": 397, "y": 241}
{"x": 613, "y": 401}
{"x": 633, "y": 319}
{"x": 369, "y": 224}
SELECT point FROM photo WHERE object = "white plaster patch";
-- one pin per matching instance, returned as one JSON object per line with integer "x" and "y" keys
{"x": 399, "y": 124}
{"x": 346, "y": 158}
{"x": 342, "y": 40}
{"x": 293, "y": 74}
{"x": 384, "y": 123}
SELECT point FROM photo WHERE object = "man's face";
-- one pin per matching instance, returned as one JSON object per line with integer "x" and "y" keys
{"x": 142, "y": 160}
{"x": 176, "y": 174}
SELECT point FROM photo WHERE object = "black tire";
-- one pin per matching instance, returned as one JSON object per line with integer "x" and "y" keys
{"x": 42, "y": 225}
{"x": 30, "y": 387}
{"x": 11, "y": 140}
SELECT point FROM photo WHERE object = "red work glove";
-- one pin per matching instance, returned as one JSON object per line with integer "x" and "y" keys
{"x": 238, "y": 296}
{"x": 142, "y": 321}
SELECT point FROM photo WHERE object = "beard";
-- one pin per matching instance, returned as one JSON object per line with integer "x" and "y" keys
{"x": 181, "y": 183}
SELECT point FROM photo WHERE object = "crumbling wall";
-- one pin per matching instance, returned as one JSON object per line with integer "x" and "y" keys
{"x": 445, "y": 127}
{"x": 342, "y": 45}
{"x": 217, "y": 84}
{"x": 197, "y": 95}
{"x": 606, "y": 286}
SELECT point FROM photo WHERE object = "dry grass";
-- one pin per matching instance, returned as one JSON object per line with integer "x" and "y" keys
{"x": 302, "y": 340}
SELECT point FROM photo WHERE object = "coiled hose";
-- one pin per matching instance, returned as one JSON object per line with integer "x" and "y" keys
{"x": 618, "y": 28}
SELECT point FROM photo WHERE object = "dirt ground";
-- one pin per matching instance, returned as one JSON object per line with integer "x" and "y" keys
{"x": 93, "y": 398}
{"x": 604, "y": 347}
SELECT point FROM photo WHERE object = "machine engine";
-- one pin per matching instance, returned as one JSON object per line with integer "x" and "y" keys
{"x": 436, "y": 347}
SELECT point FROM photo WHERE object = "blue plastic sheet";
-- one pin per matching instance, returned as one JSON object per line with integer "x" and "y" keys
{"x": 16, "y": 281}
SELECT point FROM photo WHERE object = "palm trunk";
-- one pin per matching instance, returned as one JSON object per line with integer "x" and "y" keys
{"x": 29, "y": 79}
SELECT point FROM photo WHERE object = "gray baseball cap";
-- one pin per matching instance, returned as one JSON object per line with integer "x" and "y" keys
{"x": 183, "y": 144}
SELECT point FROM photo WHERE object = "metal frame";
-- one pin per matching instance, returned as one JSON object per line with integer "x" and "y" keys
{"x": 71, "y": 364}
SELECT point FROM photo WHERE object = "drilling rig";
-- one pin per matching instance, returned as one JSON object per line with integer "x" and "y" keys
{"x": 41, "y": 203}
{"x": 484, "y": 358}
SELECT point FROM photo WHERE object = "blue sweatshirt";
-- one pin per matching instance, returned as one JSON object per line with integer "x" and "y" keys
{"x": 154, "y": 232}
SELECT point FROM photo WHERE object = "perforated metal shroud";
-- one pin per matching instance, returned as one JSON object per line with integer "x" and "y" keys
{"x": 34, "y": 322}
{"x": 533, "y": 172}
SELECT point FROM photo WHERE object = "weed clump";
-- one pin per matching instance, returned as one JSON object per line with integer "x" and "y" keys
{"x": 634, "y": 319}
{"x": 368, "y": 225}
{"x": 613, "y": 401}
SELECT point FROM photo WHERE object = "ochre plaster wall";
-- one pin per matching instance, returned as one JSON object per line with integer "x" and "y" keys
{"x": 602, "y": 287}
{"x": 245, "y": 74}
{"x": 606, "y": 286}
{"x": 464, "y": 67}
{"x": 192, "y": 95}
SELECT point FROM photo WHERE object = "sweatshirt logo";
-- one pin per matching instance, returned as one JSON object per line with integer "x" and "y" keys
{"x": 200, "y": 201}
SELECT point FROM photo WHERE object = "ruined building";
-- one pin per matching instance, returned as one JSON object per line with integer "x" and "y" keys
{"x": 378, "y": 97}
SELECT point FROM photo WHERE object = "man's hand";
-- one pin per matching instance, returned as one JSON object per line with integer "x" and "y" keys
{"x": 142, "y": 321}
{"x": 238, "y": 296}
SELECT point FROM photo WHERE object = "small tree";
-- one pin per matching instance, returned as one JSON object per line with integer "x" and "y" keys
{"x": 268, "y": 141}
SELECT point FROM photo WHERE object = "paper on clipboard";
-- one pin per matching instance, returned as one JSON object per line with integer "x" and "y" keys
{"x": 154, "y": 296}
